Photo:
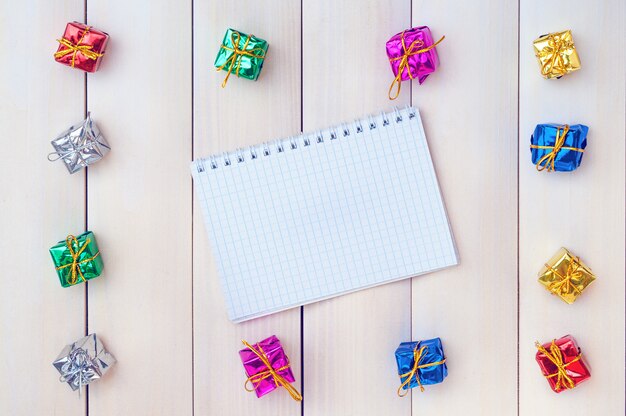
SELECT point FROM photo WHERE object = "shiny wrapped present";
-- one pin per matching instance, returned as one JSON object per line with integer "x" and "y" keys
{"x": 79, "y": 146}
{"x": 558, "y": 147}
{"x": 241, "y": 54}
{"x": 77, "y": 259}
{"x": 420, "y": 363}
{"x": 561, "y": 363}
{"x": 267, "y": 368}
{"x": 83, "y": 362}
{"x": 556, "y": 54}
{"x": 412, "y": 54}
{"x": 81, "y": 47}
{"x": 566, "y": 276}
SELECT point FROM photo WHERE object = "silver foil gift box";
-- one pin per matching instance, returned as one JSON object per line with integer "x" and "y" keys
{"x": 80, "y": 145}
{"x": 83, "y": 362}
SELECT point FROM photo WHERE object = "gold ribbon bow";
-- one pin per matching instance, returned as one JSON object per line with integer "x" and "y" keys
{"x": 85, "y": 50}
{"x": 554, "y": 52}
{"x": 563, "y": 380}
{"x": 75, "y": 271}
{"x": 565, "y": 285}
{"x": 418, "y": 354}
{"x": 235, "y": 59}
{"x": 270, "y": 372}
{"x": 416, "y": 47}
{"x": 547, "y": 161}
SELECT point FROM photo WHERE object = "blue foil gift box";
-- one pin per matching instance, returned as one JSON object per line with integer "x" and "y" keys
{"x": 558, "y": 147}
{"x": 420, "y": 363}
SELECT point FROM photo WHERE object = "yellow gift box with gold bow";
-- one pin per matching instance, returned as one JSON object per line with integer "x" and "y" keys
{"x": 556, "y": 54}
{"x": 566, "y": 276}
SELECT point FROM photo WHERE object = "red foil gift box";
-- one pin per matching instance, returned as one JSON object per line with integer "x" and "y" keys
{"x": 267, "y": 367}
{"x": 562, "y": 363}
{"x": 81, "y": 47}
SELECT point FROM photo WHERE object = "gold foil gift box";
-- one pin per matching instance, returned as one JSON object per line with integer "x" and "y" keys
{"x": 566, "y": 276}
{"x": 556, "y": 54}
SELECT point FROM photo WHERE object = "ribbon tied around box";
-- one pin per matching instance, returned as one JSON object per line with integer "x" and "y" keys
{"x": 547, "y": 161}
{"x": 79, "y": 370}
{"x": 234, "y": 61}
{"x": 418, "y": 354}
{"x": 271, "y": 372}
{"x": 556, "y": 357}
{"x": 78, "y": 47}
{"x": 75, "y": 251}
{"x": 416, "y": 47}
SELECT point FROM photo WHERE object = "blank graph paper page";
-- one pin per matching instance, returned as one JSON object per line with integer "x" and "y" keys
{"x": 303, "y": 219}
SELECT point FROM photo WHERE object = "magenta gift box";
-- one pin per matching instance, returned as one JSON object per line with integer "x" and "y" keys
{"x": 275, "y": 354}
{"x": 419, "y": 65}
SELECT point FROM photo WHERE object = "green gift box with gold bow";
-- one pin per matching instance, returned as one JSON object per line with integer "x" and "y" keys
{"x": 77, "y": 259}
{"x": 241, "y": 54}
{"x": 566, "y": 276}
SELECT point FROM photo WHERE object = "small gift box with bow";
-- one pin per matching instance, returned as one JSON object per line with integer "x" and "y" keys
{"x": 566, "y": 276}
{"x": 561, "y": 363}
{"x": 241, "y": 54}
{"x": 556, "y": 54}
{"x": 81, "y": 47}
{"x": 412, "y": 54}
{"x": 558, "y": 147}
{"x": 79, "y": 146}
{"x": 420, "y": 363}
{"x": 267, "y": 368}
{"x": 83, "y": 362}
{"x": 77, "y": 259}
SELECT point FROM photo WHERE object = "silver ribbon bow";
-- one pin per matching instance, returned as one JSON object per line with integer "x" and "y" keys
{"x": 61, "y": 155}
{"x": 80, "y": 369}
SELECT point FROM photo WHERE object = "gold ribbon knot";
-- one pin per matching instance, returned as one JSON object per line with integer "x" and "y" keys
{"x": 85, "y": 50}
{"x": 238, "y": 53}
{"x": 565, "y": 285}
{"x": 563, "y": 380}
{"x": 557, "y": 45}
{"x": 416, "y": 47}
{"x": 270, "y": 372}
{"x": 547, "y": 161}
{"x": 75, "y": 271}
{"x": 418, "y": 355}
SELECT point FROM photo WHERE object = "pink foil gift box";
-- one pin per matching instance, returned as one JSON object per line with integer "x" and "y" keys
{"x": 267, "y": 367}
{"x": 412, "y": 55}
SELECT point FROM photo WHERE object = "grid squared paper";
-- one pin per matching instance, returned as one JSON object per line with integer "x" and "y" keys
{"x": 301, "y": 220}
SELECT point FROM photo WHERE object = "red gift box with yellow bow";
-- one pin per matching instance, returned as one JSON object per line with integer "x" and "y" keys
{"x": 81, "y": 47}
{"x": 562, "y": 363}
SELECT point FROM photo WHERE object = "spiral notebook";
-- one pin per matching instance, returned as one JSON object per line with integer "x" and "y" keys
{"x": 306, "y": 218}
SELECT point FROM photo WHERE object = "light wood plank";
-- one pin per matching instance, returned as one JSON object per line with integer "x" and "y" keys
{"x": 349, "y": 341}
{"x": 243, "y": 113}
{"x": 40, "y": 204}
{"x": 582, "y": 210}
{"x": 139, "y": 204}
{"x": 469, "y": 108}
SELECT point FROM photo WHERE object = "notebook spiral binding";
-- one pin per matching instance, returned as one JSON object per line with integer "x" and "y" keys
{"x": 293, "y": 143}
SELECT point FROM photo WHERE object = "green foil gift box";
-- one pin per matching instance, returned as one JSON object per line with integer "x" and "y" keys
{"x": 77, "y": 259}
{"x": 241, "y": 54}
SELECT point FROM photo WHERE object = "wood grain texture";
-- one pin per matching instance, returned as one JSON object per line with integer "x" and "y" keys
{"x": 242, "y": 114}
{"x": 40, "y": 204}
{"x": 582, "y": 210}
{"x": 349, "y": 342}
{"x": 469, "y": 108}
{"x": 139, "y": 206}
{"x": 159, "y": 306}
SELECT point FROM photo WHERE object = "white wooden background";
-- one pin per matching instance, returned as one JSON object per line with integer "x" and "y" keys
{"x": 158, "y": 306}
